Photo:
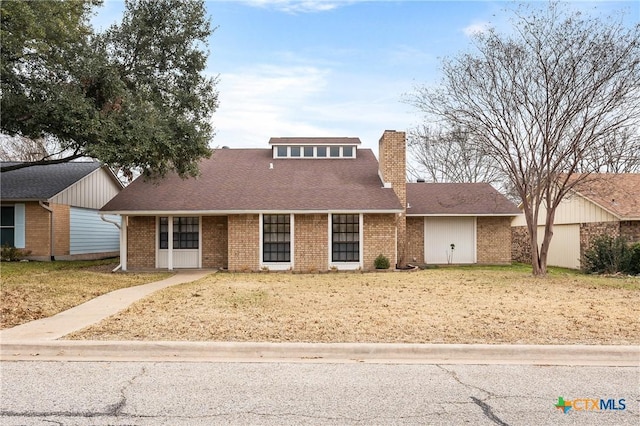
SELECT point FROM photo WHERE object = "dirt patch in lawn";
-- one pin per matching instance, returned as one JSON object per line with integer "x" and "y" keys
{"x": 433, "y": 306}
{"x": 34, "y": 290}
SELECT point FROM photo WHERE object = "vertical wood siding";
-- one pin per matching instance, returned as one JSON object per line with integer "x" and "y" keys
{"x": 92, "y": 192}
{"x": 441, "y": 232}
{"x": 90, "y": 234}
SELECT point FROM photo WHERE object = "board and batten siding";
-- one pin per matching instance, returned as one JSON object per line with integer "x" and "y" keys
{"x": 90, "y": 234}
{"x": 92, "y": 192}
{"x": 573, "y": 209}
{"x": 441, "y": 232}
{"x": 564, "y": 249}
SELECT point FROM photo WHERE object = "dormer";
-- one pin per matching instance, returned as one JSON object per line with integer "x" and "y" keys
{"x": 314, "y": 148}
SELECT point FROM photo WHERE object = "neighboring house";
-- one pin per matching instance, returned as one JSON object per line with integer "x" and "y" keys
{"x": 474, "y": 217}
{"x": 304, "y": 204}
{"x": 52, "y": 210}
{"x": 604, "y": 204}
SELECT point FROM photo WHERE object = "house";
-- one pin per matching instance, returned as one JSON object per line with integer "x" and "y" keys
{"x": 303, "y": 204}
{"x": 458, "y": 223}
{"x": 52, "y": 210}
{"x": 603, "y": 204}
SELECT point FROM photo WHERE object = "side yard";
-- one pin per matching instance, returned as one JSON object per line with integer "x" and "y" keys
{"x": 34, "y": 290}
{"x": 446, "y": 305}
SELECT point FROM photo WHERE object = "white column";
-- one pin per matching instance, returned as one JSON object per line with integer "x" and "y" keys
{"x": 123, "y": 242}
{"x": 170, "y": 243}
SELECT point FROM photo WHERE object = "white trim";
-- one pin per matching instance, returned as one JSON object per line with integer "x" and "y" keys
{"x": 123, "y": 242}
{"x": 170, "y": 243}
{"x": 199, "y": 242}
{"x": 229, "y": 212}
{"x": 465, "y": 215}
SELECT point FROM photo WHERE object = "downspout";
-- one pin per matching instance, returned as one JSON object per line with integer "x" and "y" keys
{"x": 104, "y": 219}
{"x": 51, "y": 236}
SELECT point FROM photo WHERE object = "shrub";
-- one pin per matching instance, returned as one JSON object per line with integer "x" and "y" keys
{"x": 382, "y": 262}
{"x": 608, "y": 255}
{"x": 11, "y": 254}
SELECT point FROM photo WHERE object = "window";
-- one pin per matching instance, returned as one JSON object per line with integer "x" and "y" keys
{"x": 334, "y": 151}
{"x": 322, "y": 151}
{"x": 281, "y": 151}
{"x": 347, "y": 151}
{"x": 295, "y": 151}
{"x": 185, "y": 233}
{"x": 345, "y": 238}
{"x": 7, "y": 226}
{"x": 276, "y": 238}
{"x": 308, "y": 151}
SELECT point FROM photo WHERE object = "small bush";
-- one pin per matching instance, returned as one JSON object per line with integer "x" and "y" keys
{"x": 608, "y": 255}
{"x": 382, "y": 262}
{"x": 11, "y": 254}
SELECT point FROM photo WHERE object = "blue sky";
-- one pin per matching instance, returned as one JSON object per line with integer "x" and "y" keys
{"x": 334, "y": 68}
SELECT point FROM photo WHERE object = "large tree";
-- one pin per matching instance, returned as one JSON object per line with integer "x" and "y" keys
{"x": 540, "y": 100}
{"x": 134, "y": 97}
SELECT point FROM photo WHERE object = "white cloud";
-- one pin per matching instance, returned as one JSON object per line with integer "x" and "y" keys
{"x": 299, "y": 6}
{"x": 476, "y": 28}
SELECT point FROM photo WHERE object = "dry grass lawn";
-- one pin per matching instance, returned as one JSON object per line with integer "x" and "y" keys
{"x": 446, "y": 305}
{"x": 34, "y": 290}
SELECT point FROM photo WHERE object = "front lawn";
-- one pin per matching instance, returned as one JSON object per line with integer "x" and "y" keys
{"x": 34, "y": 290}
{"x": 445, "y": 305}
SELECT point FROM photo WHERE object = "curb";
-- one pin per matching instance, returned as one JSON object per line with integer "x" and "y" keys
{"x": 479, "y": 354}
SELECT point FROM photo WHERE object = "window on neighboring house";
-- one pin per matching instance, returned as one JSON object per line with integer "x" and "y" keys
{"x": 185, "y": 233}
{"x": 276, "y": 238}
{"x": 308, "y": 151}
{"x": 295, "y": 151}
{"x": 322, "y": 151}
{"x": 345, "y": 237}
{"x": 334, "y": 151}
{"x": 281, "y": 151}
{"x": 7, "y": 226}
{"x": 347, "y": 151}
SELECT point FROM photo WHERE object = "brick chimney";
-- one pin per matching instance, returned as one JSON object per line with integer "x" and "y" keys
{"x": 392, "y": 153}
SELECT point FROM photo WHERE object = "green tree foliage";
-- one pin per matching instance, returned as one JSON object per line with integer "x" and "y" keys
{"x": 134, "y": 97}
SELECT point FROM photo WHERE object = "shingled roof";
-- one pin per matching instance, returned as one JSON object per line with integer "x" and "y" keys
{"x": 619, "y": 193}
{"x": 42, "y": 182}
{"x": 250, "y": 180}
{"x": 451, "y": 199}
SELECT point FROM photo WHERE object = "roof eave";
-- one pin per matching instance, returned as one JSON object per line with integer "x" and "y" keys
{"x": 464, "y": 214}
{"x": 228, "y": 212}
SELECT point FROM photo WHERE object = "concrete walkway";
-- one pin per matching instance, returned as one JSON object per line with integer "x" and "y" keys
{"x": 36, "y": 341}
{"x": 93, "y": 311}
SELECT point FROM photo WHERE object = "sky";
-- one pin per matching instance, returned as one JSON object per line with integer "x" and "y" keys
{"x": 335, "y": 67}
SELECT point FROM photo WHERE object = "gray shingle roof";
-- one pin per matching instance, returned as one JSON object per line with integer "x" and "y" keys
{"x": 251, "y": 180}
{"x": 457, "y": 199}
{"x": 42, "y": 182}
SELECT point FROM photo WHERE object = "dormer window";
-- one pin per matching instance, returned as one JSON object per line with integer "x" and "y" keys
{"x": 301, "y": 148}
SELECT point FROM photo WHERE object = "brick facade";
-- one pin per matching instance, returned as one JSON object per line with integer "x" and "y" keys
{"x": 520, "y": 245}
{"x": 493, "y": 239}
{"x": 61, "y": 229}
{"x": 631, "y": 230}
{"x": 141, "y": 242}
{"x": 38, "y": 230}
{"x": 589, "y": 231}
{"x": 392, "y": 152}
{"x": 379, "y": 238}
{"x": 311, "y": 246}
{"x": 415, "y": 240}
{"x": 214, "y": 242}
{"x": 244, "y": 242}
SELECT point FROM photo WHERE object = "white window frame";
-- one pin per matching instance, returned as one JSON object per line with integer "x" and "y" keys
{"x": 278, "y": 266}
{"x": 346, "y": 266}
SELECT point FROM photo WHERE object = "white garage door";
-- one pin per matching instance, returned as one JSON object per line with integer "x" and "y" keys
{"x": 441, "y": 232}
{"x": 565, "y": 246}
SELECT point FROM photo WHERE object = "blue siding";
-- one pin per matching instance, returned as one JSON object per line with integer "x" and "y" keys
{"x": 19, "y": 234}
{"x": 90, "y": 234}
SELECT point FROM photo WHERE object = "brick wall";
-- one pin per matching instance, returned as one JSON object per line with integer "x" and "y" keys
{"x": 589, "y": 231}
{"x": 61, "y": 229}
{"x": 379, "y": 238}
{"x": 493, "y": 239}
{"x": 311, "y": 242}
{"x": 244, "y": 242}
{"x": 37, "y": 236}
{"x": 630, "y": 230}
{"x": 214, "y": 242}
{"x": 141, "y": 242}
{"x": 392, "y": 152}
{"x": 520, "y": 244}
{"x": 415, "y": 240}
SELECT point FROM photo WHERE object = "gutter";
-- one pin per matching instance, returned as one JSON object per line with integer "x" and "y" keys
{"x": 104, "y": 219}
{"x": 51, "y": 236}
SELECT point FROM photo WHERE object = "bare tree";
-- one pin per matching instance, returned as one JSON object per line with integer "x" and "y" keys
{"x": 541, "y": 100}
{"x": 620, "y": 153}
{"x": 449, "y": 156}
{"x": 21, "y": 148}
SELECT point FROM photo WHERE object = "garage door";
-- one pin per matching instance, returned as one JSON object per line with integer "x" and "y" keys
{"x": 441, "y": 232}
{"x": 565, "y": 246}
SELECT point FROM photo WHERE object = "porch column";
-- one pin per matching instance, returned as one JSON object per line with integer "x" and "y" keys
{"x": 170, "y": 243}
{"x": 123, "y": 242}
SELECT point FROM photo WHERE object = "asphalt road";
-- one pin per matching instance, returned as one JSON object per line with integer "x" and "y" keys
{"x": 177, "y": 393}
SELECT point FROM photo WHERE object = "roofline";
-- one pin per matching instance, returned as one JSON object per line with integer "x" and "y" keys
{"x": 617, "y": 215}
{"x": 102, "y": 166}
{"x": 463, "y": 214}
{"x": 228, "y": 212}
{"x": 23, "y": 200}
{"x": 321, "y": 141}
